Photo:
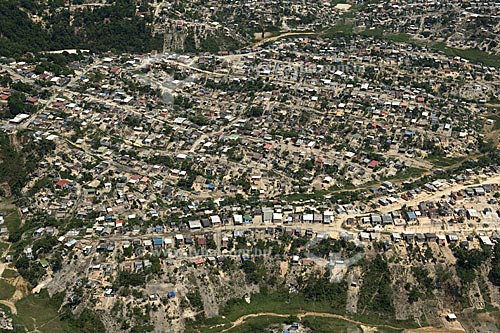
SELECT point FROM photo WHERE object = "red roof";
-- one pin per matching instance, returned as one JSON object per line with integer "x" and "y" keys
{"x": 372, "y": 164}
{"x": 199, "y": 261}
{"x": 62, "y": 182}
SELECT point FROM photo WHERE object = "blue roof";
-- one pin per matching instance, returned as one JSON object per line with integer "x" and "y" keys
{"x": 171, "y": 294}
{"x": 412, "y": 215}
{"x": 157, "y": 241}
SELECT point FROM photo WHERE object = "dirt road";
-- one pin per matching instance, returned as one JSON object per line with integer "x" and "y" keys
{"x": 242, "y": 319}
{"x": 11, "y": 306}
{"x": 287, "y": 34}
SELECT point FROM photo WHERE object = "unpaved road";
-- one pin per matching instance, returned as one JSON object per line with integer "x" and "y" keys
{"x": 242, "y": 319}
{"x": 287, "y": 34}
{"x": 11, "y": 306}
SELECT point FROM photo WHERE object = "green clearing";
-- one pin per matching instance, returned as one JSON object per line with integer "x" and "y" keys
{"x": 12, "y": 220}
{"x": 276, "y": 303}
{"x": 321, "y": 324}
{"x": 444, "y": 161}
{"x": 40, "y": 312}
{"x": 472, "y": 54}
{"x": 288, "y": 305}
{"x": 9, "y": 274}
{"x": 3, "y": 246}
{"x": 410, "y": 172}
{"x": 6, "y": 290}
{"x": 259, "y": 324}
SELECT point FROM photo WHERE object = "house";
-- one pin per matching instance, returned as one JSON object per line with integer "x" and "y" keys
{"x": 486, "y": 242}
{"x": 215, "y": 219}
{"x": 364, "y": 236}
{"x": 63, "y": 183}
{"x": 451, "y": 317}
{"x": 194, "y": 225}
{"x": 206, "y": 223}
{"x": 387, "y": 219}
{"x": 396, "y": 237}
{"x": 317, "y": 218}
{"x": 452, "y": 237}
{"x": 238, "y": 219}
{"x": 430, "y": 237}
{"x": 157, "y": 242}
{"x": 408, "y": 236}
{"x": 267, "y": 215}
{"x": 328, "y": 217}
{"x": 376, "y": 219}
{"x": 277, "y": 218}
{"x": 411, "y": 216}
{"x": 419, "y": 237}
{"x": 198, "y": 261}
{"x": 472, "y": 214}
{"x": 308, "y": 218}
{"x": 168, "y": 242}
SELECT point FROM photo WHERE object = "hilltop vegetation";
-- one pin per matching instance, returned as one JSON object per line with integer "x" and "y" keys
{"x": 17, "y": 163}
{"x": 116, "y": 27}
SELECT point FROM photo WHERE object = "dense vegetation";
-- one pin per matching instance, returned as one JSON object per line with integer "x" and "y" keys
{"x": 17, "y": 164}
{"x": 116, "y": 27}
{"x": 495, "y": 266}
{"x": 376, "y": 294}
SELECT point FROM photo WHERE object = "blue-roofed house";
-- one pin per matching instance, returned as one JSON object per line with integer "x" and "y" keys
{"x": 157, "y": 242}
{"x": 158, "y": 228}
{"x": 411, "y": 216}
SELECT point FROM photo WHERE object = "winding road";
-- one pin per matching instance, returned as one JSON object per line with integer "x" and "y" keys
{"x": 300, "y": 316}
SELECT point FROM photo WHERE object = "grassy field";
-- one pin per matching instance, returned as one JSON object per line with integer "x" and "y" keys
{"x": 39, "y": 312}
{"x": 293, "y": 305}
{"x": 473, "y": 55}
{"x": 3, "y": 246}
{"x": 319, "y": 324}
{"x": 274, "y": 303}
{"x": 9, "y": 274}
{"x": 6, "y": 290}
{"x": 444, "y": 161}
{"x": 410, "y": 172}
{"x": 12, "y": 220}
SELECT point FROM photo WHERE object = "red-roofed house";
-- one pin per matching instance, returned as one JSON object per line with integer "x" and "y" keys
{"x": 62, "y": 183}
{"x": 199, "y": 261}
{"x": 372, "y": 164}
{"x": 134, "y": 179}
{"x": 32, "y": 100}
